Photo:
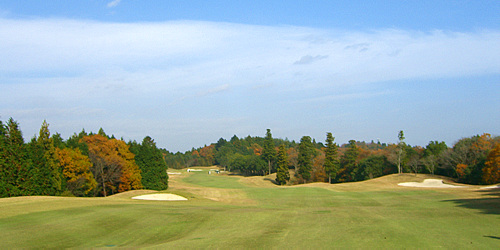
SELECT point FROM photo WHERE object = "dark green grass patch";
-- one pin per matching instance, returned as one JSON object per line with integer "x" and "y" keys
{"x": 98, "y": 226}
{"x": 292, "y": 217}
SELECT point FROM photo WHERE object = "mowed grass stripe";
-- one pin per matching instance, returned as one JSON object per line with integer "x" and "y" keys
{"x": 98, "y": 226}
{"x": 290, "y": 217}
{"x": 202, "y": 178}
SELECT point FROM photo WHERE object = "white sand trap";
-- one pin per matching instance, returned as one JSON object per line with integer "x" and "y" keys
{"x": 490, "y": 187}
{"x": 160, "y": 197}
{"x": 428, "y": 183}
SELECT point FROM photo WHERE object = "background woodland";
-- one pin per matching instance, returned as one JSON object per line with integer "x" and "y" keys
{"x": 88, "y": 164}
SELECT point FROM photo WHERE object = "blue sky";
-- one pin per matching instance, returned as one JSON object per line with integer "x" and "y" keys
{"x": 190, "y": 72}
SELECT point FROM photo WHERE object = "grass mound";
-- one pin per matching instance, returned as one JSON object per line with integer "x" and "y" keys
{"x": 250, "y": 212}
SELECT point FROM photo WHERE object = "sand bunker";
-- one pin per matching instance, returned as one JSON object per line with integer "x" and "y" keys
{"x": 160, "y": 197}
{"x": 490, "y": 187}
{"x": 428, "y": 183}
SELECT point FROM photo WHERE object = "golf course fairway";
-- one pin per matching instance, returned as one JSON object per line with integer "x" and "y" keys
{"x": 230, "y": 212}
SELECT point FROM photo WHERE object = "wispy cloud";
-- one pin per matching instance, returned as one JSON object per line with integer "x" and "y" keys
{"x": 358, "y": 46}
{"x": 113, "y": 3}
{"x": 143, "y": 69}
{"x": 214, "y": 90}
{"x": 308, "y": 59}
{"x": 220, "y": 53}
{"x": 348, "y": 96}
{"x": 200, "y": 94}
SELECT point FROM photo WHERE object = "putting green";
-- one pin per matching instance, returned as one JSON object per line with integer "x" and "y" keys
{"x": 238, "y": 212}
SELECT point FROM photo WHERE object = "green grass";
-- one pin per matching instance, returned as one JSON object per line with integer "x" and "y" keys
{"x": 292, "y": 217}
{"x": 206, "y": 180}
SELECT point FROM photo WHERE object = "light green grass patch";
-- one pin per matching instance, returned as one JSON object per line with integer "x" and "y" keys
{"x": 279, "y": 217}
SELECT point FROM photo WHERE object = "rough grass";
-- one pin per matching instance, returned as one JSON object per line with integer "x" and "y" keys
{"x": 251, "y": 212}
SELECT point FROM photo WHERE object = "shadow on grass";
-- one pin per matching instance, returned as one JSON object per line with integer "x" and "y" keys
{"x": 271, "y": 180}
{"x": 493, "y": 237}
{"x": 487, "y": 203}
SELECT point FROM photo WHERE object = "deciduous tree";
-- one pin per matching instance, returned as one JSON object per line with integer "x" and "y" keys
{"x": 318, "y": 173}
{"x": 248, "y": 164}
{"x": 468, "y": 156}
{"x": 491, "y": 170}
{"x": 293, "y": 158}
{"x": 76, "y": 171}
{"x": 113, "y": 165}
{"x": 373, "y": 166}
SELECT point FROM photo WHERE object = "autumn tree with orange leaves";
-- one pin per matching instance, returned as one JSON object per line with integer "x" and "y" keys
{"x": 208, "y": 153}
{"x": 76, "y": 169}
{"x": 491, "y": 171}
{"x": 113, "y": 165}
{"x": 468, "y": 158}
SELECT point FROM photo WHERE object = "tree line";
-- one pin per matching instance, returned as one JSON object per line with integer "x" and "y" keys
{"x": 86, "y": 164}
{"x": 472, "y": 160}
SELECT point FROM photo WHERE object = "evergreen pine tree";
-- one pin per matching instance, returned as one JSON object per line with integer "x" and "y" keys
{"x": 268, "y": 151}
{"x": 282, "y": 174}
{"x": 151, "y": 163}
{"x": 400, "y": 152}
{"x": 46, "y": 177}
{"x": 75, "y": 141}
{"x": 331, "y": 158}
{"x": 3, "y": 163}
{"x": 304, "y": 159}
{"x": 348, "y": 162}
{"x": 15, "y": 163}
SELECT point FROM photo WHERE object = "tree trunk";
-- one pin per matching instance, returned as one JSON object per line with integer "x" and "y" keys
{"x": 103, "y": 185}
{"x": 269, "y": 162}
{"x": 399, "y": 161}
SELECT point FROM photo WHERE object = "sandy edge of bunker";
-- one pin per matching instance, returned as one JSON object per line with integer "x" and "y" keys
{"x": 160, "y": 197}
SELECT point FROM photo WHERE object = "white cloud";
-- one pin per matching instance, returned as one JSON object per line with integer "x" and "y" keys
{"x": 358, "y": 46}
{"x": 223, "y": 53}
{"x": 309, "y": 59}
{"x": 113, "y": 3}
{"x": 349, "y": 96}
{"x": 214, "y": 90}
{"x": 186, "y": 69}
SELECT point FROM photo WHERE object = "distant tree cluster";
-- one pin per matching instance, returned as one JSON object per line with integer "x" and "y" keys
{"x": 84, "y": 165}
{"x": 473, "y": 160}
{"x": 90, "y": 164}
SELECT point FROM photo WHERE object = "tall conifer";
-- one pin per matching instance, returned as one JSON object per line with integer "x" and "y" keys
{"x": 3, "y": 163}
{"x": 153, "y": 167}
{"x": 268, "y": 151}
{"x": 331, "y": 158}
{"x": 401, "y": 145}
{"x": 282, "y": 174}
{"x": 16, "y": 164}
{"x": 46, "y": 175}
{"x": 304, "y": 158}
{"x": 348, "y": 162}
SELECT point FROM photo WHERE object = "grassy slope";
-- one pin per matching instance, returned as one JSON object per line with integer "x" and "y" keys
{"x": 230, "y": 211}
